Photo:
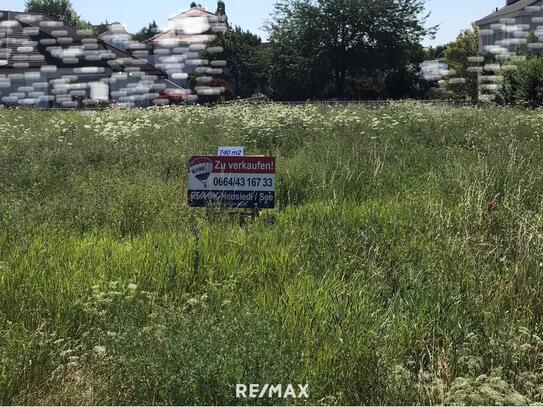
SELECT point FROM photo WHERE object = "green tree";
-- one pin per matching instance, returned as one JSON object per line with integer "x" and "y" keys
{"x": 437, "y": 52}
{"x": 61, "y": 10}
{"x": 299, "y": 66}
{"x": 243, "y": 54}
{"x": 457, "y": 57}
{"x": 146, "y": 32}
{"x": 353, "y": 38}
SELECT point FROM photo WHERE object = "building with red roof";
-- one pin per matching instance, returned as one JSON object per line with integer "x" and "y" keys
{"x": 195, "y": 25}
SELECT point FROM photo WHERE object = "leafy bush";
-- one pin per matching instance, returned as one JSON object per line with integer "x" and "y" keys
{"x": 522, "y": 83}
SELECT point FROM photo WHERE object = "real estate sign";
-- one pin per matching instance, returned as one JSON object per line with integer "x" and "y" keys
{"x": 232, "y": 182}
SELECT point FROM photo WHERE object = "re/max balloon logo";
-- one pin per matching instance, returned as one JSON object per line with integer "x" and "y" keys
{"x": 202, "y": 168}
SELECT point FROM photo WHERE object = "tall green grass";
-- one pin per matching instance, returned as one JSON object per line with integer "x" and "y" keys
{"x": 403, "y": 264}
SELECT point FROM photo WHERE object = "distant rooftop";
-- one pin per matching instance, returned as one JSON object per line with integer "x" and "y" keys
{"x": 197, "y": 11}
{"x": 510, "y": 8}
{"x": 185, "y": 31}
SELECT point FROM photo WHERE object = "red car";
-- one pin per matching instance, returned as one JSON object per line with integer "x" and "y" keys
{"x": 173, "y": 96}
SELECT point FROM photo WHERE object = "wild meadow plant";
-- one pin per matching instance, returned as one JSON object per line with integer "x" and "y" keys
{"x": 402, "y": 265}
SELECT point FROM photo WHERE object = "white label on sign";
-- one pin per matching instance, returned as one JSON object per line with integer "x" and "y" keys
{"x": 231, "y": 151}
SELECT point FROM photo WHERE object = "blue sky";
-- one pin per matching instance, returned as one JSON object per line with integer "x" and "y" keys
{"x": 452, "y": 16}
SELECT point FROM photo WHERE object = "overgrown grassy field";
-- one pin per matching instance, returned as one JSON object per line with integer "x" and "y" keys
{"x": 403, "y": 264}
